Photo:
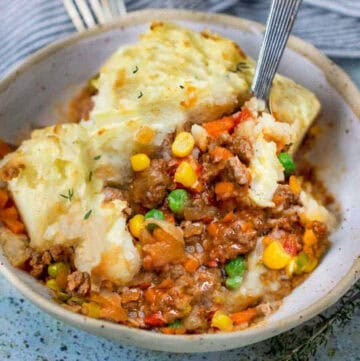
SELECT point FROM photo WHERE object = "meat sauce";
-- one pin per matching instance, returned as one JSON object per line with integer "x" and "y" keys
{"x": 183, "y": 285}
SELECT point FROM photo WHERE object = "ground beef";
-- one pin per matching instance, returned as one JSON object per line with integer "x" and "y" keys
{"x": 237, "y": 171}
{"x": 238, "y": 145}
{"x": 242, "y": 148}
{"x": 284, "y": 198}
{"x": 319, "y": 228}
{"x": 192, "y": 229}
{"x": 61, "y": 253}
{"x": 38, "y": 263}
{"x": 149, "y": 186}
{"x": 78, "y": 283}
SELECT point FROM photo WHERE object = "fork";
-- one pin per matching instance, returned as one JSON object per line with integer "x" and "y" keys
{"x": 278, "y": 28}
{"x": 86, "y": 14}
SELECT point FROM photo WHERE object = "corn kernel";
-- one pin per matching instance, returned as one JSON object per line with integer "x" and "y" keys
{"x": 185, "y": 174}
{"x": 275, "y": 257}
{"x": 183, "y": 144}
{"x": 139, "y": 162}
{"x": 91, "y": 309}
{"x": 309, "y": 237}
{"x": 222, "y": 321}
{"x": 295, "y": 184}
{"x": 145, "y": 135}
{"x": 136, "y": 225}
{"x": 311, "y": 265}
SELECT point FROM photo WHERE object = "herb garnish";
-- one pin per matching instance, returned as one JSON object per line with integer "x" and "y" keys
{"x": 292, "y": 347}
{"x": 97, "y": 157}
{"x": 140, "y": 95}
{"x": 87, "y": 214}
{"x": 181, "y": 86}
{"x": 135, "y": 70}
{"x": 90, "y": 175}
{"x": 69, "y": 195}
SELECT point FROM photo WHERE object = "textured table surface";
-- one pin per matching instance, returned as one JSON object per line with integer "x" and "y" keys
{"x": 27, "y": 334}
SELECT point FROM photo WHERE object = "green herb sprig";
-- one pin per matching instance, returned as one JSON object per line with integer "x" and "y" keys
{"x": 292, "y": 347}
{"x": 69, "y": 194}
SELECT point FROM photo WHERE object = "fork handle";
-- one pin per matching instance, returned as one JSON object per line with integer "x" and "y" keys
{"x": 278, "y": 28}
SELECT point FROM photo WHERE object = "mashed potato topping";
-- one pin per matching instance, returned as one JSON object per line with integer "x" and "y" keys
{"x": 171, "y": 76}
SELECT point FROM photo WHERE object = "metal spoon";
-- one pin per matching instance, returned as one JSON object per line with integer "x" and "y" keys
{"x": 278, "y": 28}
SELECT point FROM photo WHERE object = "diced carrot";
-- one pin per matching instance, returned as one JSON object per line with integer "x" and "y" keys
{"x": 224, "y": 187}
{"x": 150, "y": 295}
{"x": 191, "y": 265}
{"x": 4, "y": 197}
{"x": 247, "y": 226}
{"x": 173, "y": 331}
{"x": 14, "y": 225}
{"x": 4, "y": 149}
{"x": 169, "y": 217}
{"x": 242, "y": 116}
{"x": 114, "y": 313}
{"x": 216, "y": 127}
{"x": 229, "y": 217}
{"x": 266, "y": 241}
{"x": 213, "y": 229}
{"x": 10, "y": 212}
{"x": 243, "y": 316}
{"x": 220, "y": 153}
{"x": 165, "y": 283}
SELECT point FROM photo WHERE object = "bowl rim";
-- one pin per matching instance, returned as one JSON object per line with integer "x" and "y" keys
{"x": 334, "y": 75}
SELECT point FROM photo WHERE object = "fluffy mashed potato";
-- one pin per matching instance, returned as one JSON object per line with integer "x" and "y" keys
{"x": 171, "y": 76}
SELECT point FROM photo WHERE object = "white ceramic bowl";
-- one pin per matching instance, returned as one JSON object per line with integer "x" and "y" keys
{"x": 31, "y": 95}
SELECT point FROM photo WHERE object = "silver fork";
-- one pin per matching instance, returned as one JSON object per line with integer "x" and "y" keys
{"x": 278, "y": 28}
{"x": 86, "y": 14}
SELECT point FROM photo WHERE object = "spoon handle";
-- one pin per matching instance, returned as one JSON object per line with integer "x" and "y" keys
{"x": 278, "y": 28}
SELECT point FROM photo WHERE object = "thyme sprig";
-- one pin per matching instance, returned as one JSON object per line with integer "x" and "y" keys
{"x": 292, "y": 347}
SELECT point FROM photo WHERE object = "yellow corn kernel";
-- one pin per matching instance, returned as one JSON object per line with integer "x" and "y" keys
{"x": 183, "y": 144}
{"x": 309, "y": 267}
{"x": 185, "y": 174}
{"x": 275, "y": 257}
{"x": 291, "y": 267}
{"x": 145, "y": 135}
{"x": 309, "y": 237}
{"x": 139, "y": 162}
{"x": 91, "y": 309}
{"x": 295, "y": 184}
{"x": 222, "y": 321}
{"x": 136, "y": 225}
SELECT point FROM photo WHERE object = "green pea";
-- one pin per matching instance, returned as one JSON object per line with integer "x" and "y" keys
{"x": 233, "y": 282}
{"x": 175, "y": 324}
{"x": 177, "y": 200}
{"x": 56, "y": 268}
{"x": 302, "y": 261}
{"x": 287, "y": 162}
{"x": 153, "y": 213}
{"x": 52, "y": 285}
{"x": 235, "y": 267}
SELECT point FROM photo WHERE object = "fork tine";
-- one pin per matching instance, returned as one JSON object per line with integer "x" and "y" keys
{"x": 107, "y": 10}
{"x": 98, "y": 10}
{"x": 74, "y": 15}
{"x": 85, "y": 13}
{"x": 117, "y": 7}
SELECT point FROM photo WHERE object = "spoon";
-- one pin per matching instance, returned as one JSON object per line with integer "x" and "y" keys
{"x": 278, "y": 28}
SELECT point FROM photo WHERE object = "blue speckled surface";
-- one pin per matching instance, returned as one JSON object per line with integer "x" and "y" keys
{"x": 27, "y": 334}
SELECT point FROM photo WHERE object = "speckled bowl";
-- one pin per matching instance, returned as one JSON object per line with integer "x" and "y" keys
{"x": 31, "y": 96}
